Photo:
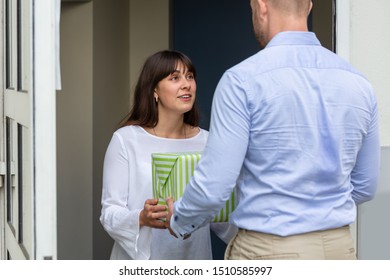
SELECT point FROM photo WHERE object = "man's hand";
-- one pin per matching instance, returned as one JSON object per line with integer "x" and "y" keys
{"x": 169, "y": 201}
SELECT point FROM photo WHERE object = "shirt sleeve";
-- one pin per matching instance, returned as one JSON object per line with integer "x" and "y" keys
{"x": 222, "y": 159}
{"x": 121, "y": 223}
{"x": 365, "y": 174}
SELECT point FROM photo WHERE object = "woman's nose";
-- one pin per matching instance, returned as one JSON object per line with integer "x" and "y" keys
{"x": 186, "y": 84}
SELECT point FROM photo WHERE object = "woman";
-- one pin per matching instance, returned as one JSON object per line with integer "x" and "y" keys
{"x": 164, "y": 118}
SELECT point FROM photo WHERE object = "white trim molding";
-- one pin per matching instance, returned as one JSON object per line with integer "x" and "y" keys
{"x": 343, "y": 28}
{"x": 44, "y": 112}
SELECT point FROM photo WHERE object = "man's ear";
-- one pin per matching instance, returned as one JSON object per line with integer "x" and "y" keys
{"x": 311, "y": 6}
{"x": 263, "y": 4}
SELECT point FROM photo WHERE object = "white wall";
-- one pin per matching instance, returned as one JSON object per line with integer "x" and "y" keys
{"x": 363, "y": 38}
{"x": 370, "y": 41}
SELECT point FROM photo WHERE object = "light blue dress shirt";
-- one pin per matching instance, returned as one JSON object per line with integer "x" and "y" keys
{"x": 295, "y": 127}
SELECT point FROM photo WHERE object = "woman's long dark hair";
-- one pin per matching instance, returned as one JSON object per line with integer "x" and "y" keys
{"x": 158, "y": 66}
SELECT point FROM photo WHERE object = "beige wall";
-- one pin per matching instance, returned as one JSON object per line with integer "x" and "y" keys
{"x": 95, "y": 95}
{"x": 149, "y": 32}
{"x": 74, "y": 134}
{"x": 111, "y": 96}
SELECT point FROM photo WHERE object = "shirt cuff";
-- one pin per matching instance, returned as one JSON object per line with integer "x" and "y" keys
{"x": 183, "y": 226}
{"x": 180, "y": 232}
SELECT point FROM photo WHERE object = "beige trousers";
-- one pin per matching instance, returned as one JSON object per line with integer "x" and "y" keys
{"x": 333, "y": 244}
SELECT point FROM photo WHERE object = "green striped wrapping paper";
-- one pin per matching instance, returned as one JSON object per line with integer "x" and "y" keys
{"x": 172, "y": 172}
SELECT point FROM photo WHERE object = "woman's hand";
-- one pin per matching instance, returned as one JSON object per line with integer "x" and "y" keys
{"x": 153, "y": 215}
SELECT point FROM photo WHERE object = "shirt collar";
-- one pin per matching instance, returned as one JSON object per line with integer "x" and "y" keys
{"x": 294, "y": 38}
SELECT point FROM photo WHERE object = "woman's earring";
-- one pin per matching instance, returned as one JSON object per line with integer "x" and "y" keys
{"x": 156, "y": 98}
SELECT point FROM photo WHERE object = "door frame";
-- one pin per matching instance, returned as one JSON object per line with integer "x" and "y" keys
{"x": 44, "y": 125}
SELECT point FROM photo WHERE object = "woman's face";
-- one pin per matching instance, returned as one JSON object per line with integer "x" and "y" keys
{"x": 176, "y": 92}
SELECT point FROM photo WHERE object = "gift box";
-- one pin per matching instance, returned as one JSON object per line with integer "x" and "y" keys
{"x": 172, "y": 172}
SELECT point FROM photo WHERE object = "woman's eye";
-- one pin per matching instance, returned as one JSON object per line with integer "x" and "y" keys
{"x": 190, "y": 77}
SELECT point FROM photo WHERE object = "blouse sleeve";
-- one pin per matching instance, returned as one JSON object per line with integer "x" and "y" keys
{"x": 121, "y": 223}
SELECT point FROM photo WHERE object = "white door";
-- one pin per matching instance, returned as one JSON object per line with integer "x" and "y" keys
{"x": 27, "y": 131}
{"x": 17, "y": 134}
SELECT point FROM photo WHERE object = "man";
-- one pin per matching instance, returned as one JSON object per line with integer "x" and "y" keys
{"x": 295, "y": 128}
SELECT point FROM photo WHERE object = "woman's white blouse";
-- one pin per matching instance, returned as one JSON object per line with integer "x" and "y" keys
{"x": 127, "y": 183}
